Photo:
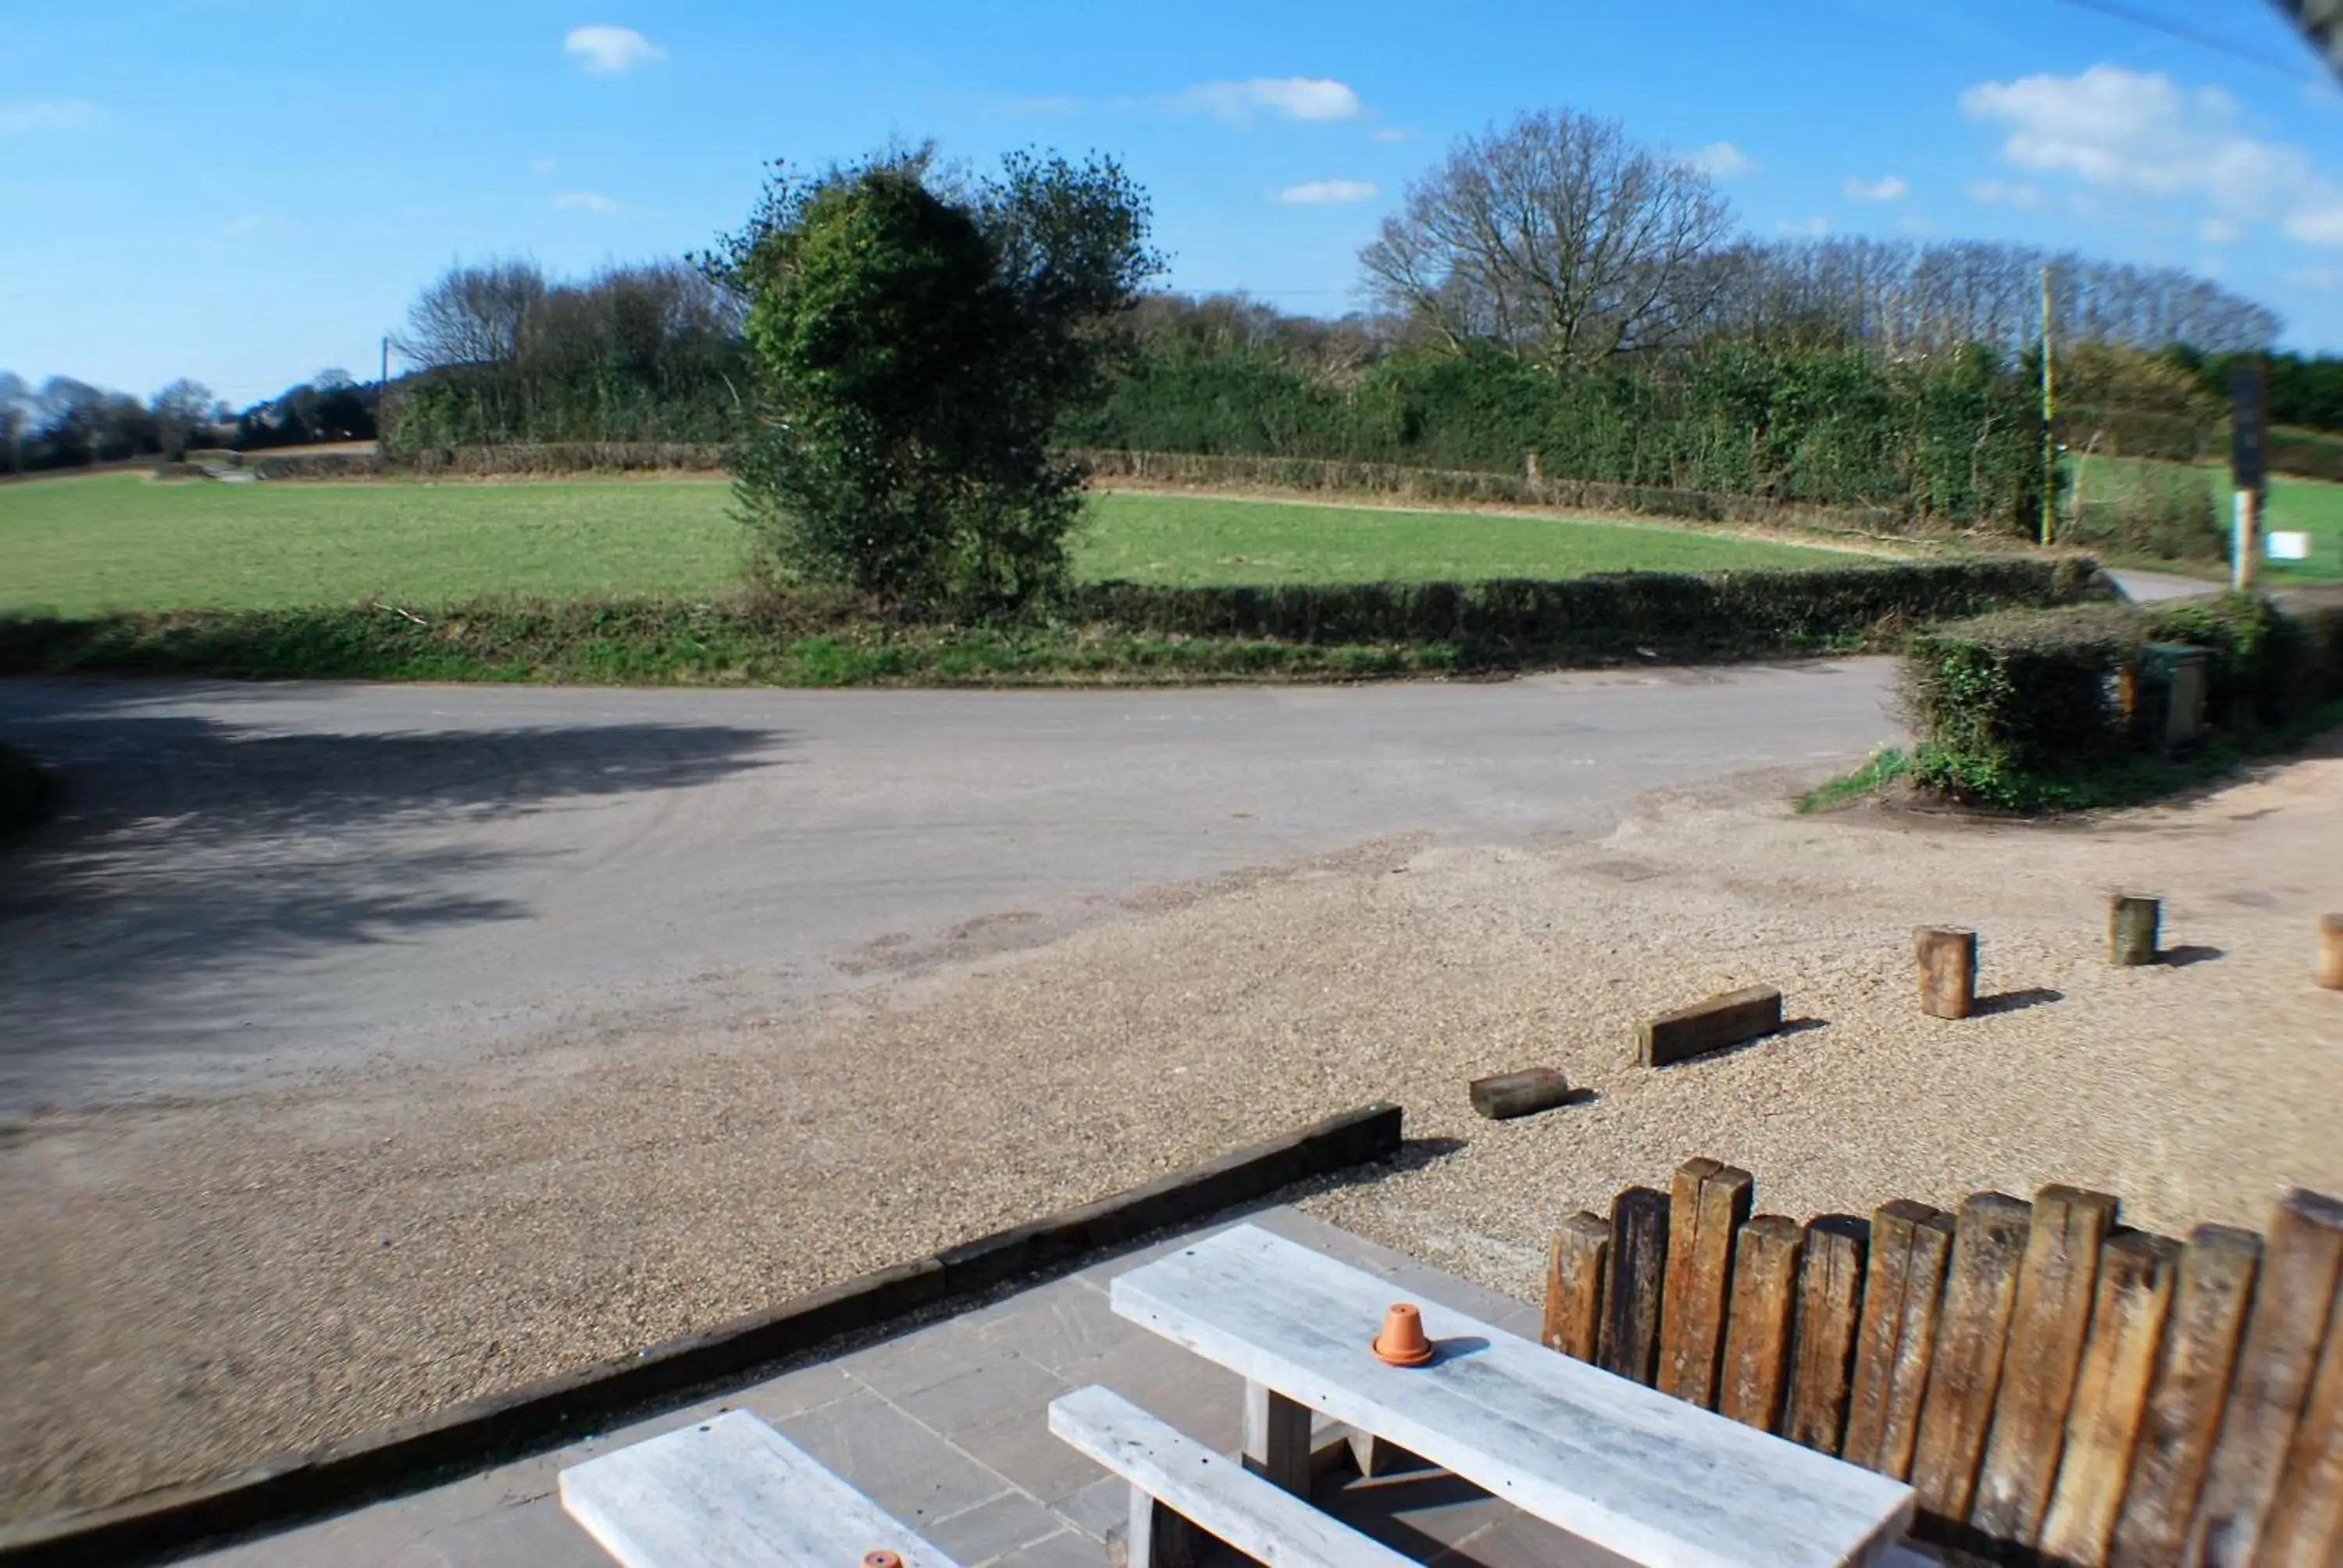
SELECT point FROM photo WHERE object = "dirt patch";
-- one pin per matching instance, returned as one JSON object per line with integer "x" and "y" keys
{"x": 194, "y": 1286}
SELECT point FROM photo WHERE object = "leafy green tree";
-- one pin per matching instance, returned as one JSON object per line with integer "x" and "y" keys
{"x": 917, "y": 338}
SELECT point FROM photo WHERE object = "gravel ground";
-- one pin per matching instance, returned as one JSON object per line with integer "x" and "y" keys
{"x": 194, "y": 1286}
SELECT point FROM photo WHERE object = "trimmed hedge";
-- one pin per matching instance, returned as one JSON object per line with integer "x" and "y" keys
{"x": 2026, "y": 710}
{"x": 1102, "y": 631}
{"x": 1674, "y": 614}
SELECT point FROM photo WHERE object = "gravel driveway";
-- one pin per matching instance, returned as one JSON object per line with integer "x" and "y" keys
{"x": 194, "y": 1283}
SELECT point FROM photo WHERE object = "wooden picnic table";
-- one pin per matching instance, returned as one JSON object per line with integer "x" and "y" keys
{"x": 1650, "y": 1477}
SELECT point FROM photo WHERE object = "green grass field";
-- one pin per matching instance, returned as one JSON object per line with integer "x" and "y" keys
{"x": 2314, "y": 506}
{"x": 77, "y": 545}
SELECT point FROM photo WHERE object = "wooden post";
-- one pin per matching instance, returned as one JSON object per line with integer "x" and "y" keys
{"x": 1757, "y": 1338}
{"x": 2184, "y": 1407}
{"x": 2131, "y": 930}
{"x": 1277, "y": 1438}
{"x": 2306, "y": 1519}
{"x": 1707, "y": 1211}
{"x": 1972, "y": 1333}
{"x": 1822, "y": 1353}
{"x": 1639, "y": 1259}
{"x": 1903, "y": 1289}
{"x": 1573, "y": 1286}
{"x": 2274, "y": 1365}
{"x": 2330, "y": 952}
{"x": 1160, "y": 1538}
{"x": 1947, "y": 971}
{"x": 2047, "y": 1323}
{"x": 2136, "y": 1278}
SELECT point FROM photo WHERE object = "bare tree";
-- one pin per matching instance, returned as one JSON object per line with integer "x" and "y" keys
{"x": 1556, "y": 237}
{"x": 477, "y": 315}
{"x": 15, "y": 417}
{"x": 179, "y": 409}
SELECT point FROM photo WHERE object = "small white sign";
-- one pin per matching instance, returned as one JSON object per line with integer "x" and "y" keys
{"x": 2284, "y": 546}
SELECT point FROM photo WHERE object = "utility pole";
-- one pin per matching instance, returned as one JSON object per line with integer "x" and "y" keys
{"x": 382, "y": 390}
{"x": 2049, "y": 412}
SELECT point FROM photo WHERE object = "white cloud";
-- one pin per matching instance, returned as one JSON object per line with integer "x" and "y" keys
{"x": 542, "y": 166}
{"x": 1295, "y": 97}
{"x": 610, "y": 51}
{"x": 1320, "y": 193}
{"x": 2134, "y": 135}
{"x": 1724, "y": 161}
{"x": 1804, "y": 227}
{"x": 2005, "y": 192}
{"x": 1390, "y": 133}
{"x": 2323, "y": 278}
{"x": 1889, "y": 188}
{"x": 40, "y": 115}
{"x": 594, "y": 202}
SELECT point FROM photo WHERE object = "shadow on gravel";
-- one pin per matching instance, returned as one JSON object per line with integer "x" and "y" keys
{"x": 2016, "y": 1001}
{"x": 188, "y": 849}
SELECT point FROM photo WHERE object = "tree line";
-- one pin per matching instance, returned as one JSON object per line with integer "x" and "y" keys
{"x": 66, "y": 423}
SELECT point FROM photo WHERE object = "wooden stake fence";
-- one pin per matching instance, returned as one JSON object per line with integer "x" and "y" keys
{"x": 2050, "y": 1383}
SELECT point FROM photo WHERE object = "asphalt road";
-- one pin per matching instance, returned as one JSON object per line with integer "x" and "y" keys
{"x": 255, "y": 884}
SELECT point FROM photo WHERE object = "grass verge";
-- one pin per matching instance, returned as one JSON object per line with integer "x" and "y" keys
{"x": 2106, "y": 785}
{"x": 1882, "y": 768}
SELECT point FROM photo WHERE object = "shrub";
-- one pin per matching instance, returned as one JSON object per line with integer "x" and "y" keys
{"x": 916, "y": 351}
{"x": 2166, "y": 511}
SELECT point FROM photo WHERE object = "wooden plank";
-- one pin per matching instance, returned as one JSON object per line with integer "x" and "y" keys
{"x": 2052, "y": 1316}
{"x": 1639, "y": 1261}
{"x": 1709, "y": 1205}
{"x": 1903, "y": 1289}
{"x": 1757, "y": 1373}
{"x": 1573, "y": 1286}
{"x": 2137, "y": 1274}
{"x": 2217, "y": 1269}
{"x": 1625, "y": 1468}
{"x": 2300, "y": 1265}
{"x": 1712, "y": 1025}
{"x": 1510, "y": 1094}
{"x": 730, "y": 1489}
{"x": 1822, "y": 1336}
{"x": 1263, "y": 1520}
{"x": 1971, "y": 1332}
{"x": 1277, "y": 1439}
{"x": 1155, "y": 1535}
{"x": 2305, "y": 1529}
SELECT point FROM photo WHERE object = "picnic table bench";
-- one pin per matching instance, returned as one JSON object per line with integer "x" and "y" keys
{"x": 731, "y": 1491}
{"x": 1652, "y": 1478}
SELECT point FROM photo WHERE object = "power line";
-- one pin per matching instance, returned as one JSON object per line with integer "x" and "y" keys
{"x": 2182, "y": 31}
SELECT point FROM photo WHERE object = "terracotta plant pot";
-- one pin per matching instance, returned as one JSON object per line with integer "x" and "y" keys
{"x": 882, "y": 1560}
{"x": 1402, "y": 1343}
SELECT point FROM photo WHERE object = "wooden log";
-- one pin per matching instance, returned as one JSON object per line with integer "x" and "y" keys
{"x": 2305, "y": 1529}
{"x": 1711, "y": 1025}
{"x": 2132, "y": 921}
{"x": 2135, "y": 1294}
{"x": 2051, "y": 1318}
{"x": 2300, "y": 1266}
{"x": 1639, "y": 1261}
{"x": 1903, "y": 1288}
{"x": 1510, "y": 1094}
{"x": 1709, "y": 1205}
{"x": 1947, "y": 971}
{"x": 1757, "y": 1373}
{"x": 1573, "y": 1286}
{"x": 1972, "y": 1333}
{"x": 1822, "y": 1333}
{"x": 2330, "y": 952}
{"x": 2184, "y": 1405}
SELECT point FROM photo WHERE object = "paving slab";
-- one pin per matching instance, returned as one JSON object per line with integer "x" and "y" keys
{"x": 945, "y": 1424}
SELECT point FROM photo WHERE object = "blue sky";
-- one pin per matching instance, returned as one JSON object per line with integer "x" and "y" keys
{"x": 245, "y": 195}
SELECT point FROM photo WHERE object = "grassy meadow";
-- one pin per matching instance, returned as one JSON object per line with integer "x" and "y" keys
{"x": 123, "y": 541}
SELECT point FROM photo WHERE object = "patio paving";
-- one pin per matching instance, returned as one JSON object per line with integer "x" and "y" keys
{"x": 944, "y": 1426}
